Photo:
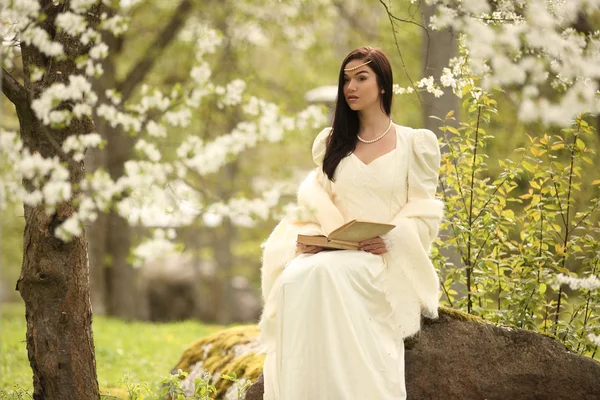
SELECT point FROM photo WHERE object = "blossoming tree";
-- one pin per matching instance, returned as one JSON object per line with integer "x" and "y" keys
{"x": 62, "y": 49}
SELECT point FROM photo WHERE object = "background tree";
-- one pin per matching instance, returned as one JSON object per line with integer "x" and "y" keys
{"x": 54, "y": 281}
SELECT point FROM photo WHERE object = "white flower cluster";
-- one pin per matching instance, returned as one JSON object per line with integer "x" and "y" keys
{"x": 73, "y": 24}
{"x": 456, "y": 77}
{"x": 201, "y": 73}
{"x": 117, "y": 24}
{"x": 78, "y": 144}
{"x": 400, "y": 90}
{"x": 115, "y": 117}
{"x": 100, "y": 188}
{"x": 591, "y": 282}
{"x": 206, "y": 158}
{"x": 243, "y": 212}
{"x": 429, "y": 85}
{"x": 231, "y": 95}
{"x": 36, "y": 36}
{"x": 159, "y": 245}
{"x": 595, "y": 339}
{"x": 531, "y": 47}
{"x": 81, "y": 6}
{"x": 79, "y": 91}
{"x": 148, "y": 149}
{"x": 250, "y": 32}
{"x": 37, "y": 74}
{"x": 10, "y": 179}
{"x": 312, "y": 117}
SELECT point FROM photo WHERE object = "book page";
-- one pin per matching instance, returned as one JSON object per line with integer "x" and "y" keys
{"x": 357, "y": 230}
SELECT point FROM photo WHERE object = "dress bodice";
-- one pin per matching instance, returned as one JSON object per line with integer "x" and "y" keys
{"x": 373, "y": 191}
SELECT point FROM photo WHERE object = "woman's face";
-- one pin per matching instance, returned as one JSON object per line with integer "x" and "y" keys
{"x": 360, "y": 86}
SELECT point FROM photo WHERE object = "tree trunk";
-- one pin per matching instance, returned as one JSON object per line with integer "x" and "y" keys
{"x": 437, "y": 52}
{"x": 95, "y": 159}
{"x": 96, "y": 232}
{"x": 225, "y": 237}
{"x": 224, "y": 258}
{"x": 54, "y": 280}
{"x": 115, "y": 283}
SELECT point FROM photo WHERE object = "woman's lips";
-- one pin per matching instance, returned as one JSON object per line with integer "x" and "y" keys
{"x": 352, "y": 98}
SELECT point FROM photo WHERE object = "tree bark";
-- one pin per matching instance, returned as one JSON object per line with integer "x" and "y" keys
{"x": 437, "y": 50}
{"x": 54, "y": 280}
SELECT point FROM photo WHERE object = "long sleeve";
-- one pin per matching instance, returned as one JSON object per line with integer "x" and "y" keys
{"x": 417, "y": 225}
{"x": 316, "y": 193}
{"x": 423, "y": 174}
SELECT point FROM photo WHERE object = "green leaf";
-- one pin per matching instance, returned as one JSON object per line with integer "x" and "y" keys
{"x": 528, "y": 166}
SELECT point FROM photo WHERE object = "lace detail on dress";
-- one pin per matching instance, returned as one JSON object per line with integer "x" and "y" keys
{"x": 368, "y": 185}
{"x": 421, "y": 140}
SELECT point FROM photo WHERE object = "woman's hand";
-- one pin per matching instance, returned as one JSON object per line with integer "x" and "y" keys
{"x": 301, "y": 248}
{"x": 374, "y": 246}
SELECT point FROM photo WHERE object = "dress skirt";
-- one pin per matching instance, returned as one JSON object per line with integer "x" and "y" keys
{"x": 334, "y": 340}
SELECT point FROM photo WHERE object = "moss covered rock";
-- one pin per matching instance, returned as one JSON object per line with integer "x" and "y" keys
{"x": 457, "y": 356}
{"x": 234, "y": 350}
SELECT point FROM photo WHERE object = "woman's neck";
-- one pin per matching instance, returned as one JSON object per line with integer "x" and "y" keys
{"x": 372, "y": 124}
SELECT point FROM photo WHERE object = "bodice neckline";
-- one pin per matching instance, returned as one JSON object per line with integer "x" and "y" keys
{"x": 397, "y": 132}
{"x": 375, "y": 159}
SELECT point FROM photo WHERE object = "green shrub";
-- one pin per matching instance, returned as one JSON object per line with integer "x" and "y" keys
{"x": 511, "y": 241}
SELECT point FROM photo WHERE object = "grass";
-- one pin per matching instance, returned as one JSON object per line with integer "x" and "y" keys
{"x": 144, "y": 351}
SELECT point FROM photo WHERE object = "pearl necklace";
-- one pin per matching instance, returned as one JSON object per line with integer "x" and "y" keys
{"x": 377, "y": 138}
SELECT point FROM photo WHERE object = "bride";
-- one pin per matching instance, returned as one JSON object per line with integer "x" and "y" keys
{"x": 334, "y": 321}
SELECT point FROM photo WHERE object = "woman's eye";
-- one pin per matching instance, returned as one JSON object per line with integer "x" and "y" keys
{"x": 362, "y": 79}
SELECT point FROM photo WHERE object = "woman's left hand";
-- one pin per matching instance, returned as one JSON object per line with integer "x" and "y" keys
{"x": 374, "y": 246}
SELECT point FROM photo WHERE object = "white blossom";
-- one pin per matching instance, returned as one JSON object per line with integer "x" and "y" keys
{"x": 116, "y": 24}
{"x": 39, "y": 38}
{"x": 69, "y": 229}
{"x": 156, "y": 130}
{"x": 81, "y": 6}
{"x": 99, "y": 51}
{"x": 159, "y": 245}
{"x": 78, "y": 144}
{"x": 115, "y": 118}
{"x": 181, "y": 118}
{"x": 37, "y": 74}
{"x": 78, "y": 89}
{"x": 149, "y": 150}
{"x": 72, "y": 24}
{"x": 591, "y": 282}
{"x": 595, "y": 339}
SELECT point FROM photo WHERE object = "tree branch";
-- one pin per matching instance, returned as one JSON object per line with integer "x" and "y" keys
{"x": 354, "y": 20}
{"x": 15, "y": 92}
{"x": 139, "y": 71}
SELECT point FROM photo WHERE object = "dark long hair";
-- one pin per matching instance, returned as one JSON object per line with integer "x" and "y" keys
{"x": 346, "y": 124}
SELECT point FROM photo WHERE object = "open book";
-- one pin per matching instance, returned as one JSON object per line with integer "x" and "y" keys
{"x": 347, "y": 236}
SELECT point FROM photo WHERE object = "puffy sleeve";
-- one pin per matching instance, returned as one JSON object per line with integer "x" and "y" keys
{"x": 417, "y": 225}
{"x": 320, "y": 145}
{"x": 423, "y": 171}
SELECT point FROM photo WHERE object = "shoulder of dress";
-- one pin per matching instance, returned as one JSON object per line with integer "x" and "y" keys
{"x": 320, "y": 145}
{"x": 424, "y": 140}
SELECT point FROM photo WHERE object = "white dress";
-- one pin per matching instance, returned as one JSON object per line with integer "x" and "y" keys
{"x": 334, "y": 340}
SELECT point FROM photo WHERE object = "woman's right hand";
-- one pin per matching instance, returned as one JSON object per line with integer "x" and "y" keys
{"x": 301, "y": 248}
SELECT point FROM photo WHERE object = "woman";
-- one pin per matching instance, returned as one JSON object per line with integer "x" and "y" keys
{"x": 334, "y": 321}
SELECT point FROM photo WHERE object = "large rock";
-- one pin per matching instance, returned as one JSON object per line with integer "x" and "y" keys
{"x": 179, "y": 287}
{"x": 234, "y": 349}
{"x": 459, "y": 356}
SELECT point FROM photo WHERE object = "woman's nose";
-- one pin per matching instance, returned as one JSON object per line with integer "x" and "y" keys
{"x": 351, "y": 86}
